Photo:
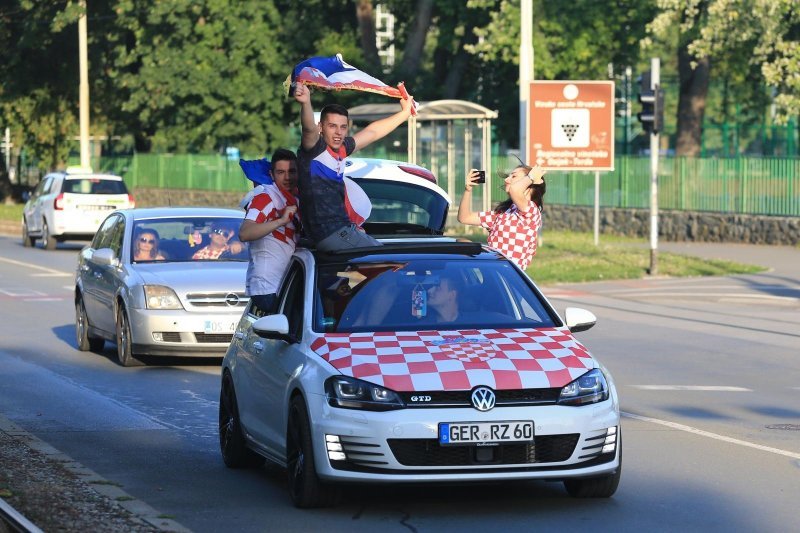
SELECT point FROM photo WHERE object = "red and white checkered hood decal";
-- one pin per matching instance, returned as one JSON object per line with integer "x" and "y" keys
{"x": 458, "y": 360}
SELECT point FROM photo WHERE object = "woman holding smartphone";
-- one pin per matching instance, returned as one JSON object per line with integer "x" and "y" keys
{"x": 515, "y": 223}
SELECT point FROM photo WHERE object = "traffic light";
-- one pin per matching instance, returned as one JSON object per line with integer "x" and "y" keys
{"x": 652, "y": 100}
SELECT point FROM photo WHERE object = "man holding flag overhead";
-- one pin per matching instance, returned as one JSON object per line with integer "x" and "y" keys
{"x": 321, "y": 162}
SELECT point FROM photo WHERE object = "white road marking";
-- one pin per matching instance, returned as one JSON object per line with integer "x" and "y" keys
{"x": 715, "y": 436}
{"x": 37, "y": 267}
{"x": 719, "y": 295}
{"x": 18, "y": 292}
{"x": 42, "y": 299}
{"x": 51, "y": 275}
{"x": 714, "y": 388}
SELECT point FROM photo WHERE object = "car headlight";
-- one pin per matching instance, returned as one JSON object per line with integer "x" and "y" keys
{"x": 352, "y": 393}
{"x": 589, "y": 388}
{"x": 160, "y": 297}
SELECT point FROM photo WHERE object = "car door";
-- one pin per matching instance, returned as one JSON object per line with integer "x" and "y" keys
{"x": 268, "y": 364}
{"x": 98, "y": 280}
{"x": 33, "y": 215}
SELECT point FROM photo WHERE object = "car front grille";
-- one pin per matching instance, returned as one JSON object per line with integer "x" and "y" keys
{"x": 504, "y": 398}
{"x": 428, "y": 452}
{"x": 214, "y": 337}
{"x": 218, "y": 299}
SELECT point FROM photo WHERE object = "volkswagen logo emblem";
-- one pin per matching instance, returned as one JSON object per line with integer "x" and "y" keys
{"x": 483, "y": 398}
{"x": 232, "y": 299}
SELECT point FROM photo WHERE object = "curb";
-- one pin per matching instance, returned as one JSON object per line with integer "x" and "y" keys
{"x": 102, "y": 486}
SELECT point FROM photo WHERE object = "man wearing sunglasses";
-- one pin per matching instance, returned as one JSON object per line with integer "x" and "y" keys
{"x": 220, "y": 237}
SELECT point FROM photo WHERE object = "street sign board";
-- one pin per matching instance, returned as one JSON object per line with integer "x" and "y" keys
{"x": 571, "y": 125}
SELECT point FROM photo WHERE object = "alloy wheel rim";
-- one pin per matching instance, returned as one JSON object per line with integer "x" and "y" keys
{"x": 81, "y": 322}
{"x": 123, "y": 334}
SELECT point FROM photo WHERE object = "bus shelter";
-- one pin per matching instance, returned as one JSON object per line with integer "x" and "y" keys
{"x": 449, "y": 137}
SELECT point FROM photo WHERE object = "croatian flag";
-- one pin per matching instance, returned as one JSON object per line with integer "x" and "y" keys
{"x": 334, "y": 74}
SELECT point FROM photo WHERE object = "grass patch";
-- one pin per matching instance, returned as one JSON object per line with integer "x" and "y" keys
{"x": 567, "y": 257}
{"x": 12, "y": 212}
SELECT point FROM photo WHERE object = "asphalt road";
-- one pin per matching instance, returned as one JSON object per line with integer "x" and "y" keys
{"x": 707, "y": 370}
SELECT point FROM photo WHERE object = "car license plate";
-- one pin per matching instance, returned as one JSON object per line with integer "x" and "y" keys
{"x": 219, "y": 326}
{"x": 460, "y": 433}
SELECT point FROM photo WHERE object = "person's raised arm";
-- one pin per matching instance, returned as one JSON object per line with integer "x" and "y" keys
{"x": 518, "y": 191}
{"x": 465, "y": 213}
{"x": 310, "y": 131}
{"x": 383, "y": 127}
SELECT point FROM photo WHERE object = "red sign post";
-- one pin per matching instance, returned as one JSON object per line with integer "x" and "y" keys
{"x": 571, "y": 125}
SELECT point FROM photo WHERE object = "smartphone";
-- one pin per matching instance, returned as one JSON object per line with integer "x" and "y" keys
{"x": 481, "y": 177}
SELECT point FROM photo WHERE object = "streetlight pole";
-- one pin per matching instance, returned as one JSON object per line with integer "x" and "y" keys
{"x": 525, "y": 73}
{"x": 83, "y": 54}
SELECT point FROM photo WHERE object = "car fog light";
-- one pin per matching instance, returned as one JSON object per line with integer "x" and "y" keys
{"x": 611, "y": 439}
{"x": 334, "y": 447}
{"x": 331, "y": 438}
{"x": 158, "y": 336}
{"x": 612, "y": 431}
{"x": 608, "y": 448}
{"x": 336, "y": 456}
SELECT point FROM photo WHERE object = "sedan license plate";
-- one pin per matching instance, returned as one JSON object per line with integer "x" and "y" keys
{"x": 462, "y": 433}
{"x": 219, "y": 326}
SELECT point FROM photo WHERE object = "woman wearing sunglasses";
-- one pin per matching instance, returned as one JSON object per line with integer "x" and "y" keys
{"x": 515, "y": 223}
{"x": 220, "y": 235}
{"x": 145, "y": 247}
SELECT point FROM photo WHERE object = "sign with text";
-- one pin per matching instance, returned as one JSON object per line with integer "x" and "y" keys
{"x": 571, "y": 125}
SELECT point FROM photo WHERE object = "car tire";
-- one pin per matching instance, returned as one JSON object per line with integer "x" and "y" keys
{"x": 27, "y": 240}
{"x": 124, "y": 342}
{"x": 235, "y": 452}
{"x": 305, "y": 488}
{"x": 48, "y": 242}
{"x": 85, "y": 342}
{"x": 596, "y": 487}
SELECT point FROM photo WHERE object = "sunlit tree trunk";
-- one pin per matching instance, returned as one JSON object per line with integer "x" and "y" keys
{"x": 366, "y": 29}
{"x": 691, "y": 102}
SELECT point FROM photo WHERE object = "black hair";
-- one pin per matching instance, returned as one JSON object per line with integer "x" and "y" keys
{"x": 282, "y": 154}
{"x": 333, "y": 109}
{"x": 537, "y": 194}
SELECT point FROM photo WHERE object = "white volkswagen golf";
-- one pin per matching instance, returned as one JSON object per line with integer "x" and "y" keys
{"x": 427, "y": 360}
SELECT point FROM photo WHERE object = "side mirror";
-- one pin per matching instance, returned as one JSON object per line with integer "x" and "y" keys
{"x": 26, "y": 195}
{"x": 273, "y": 327}
{"x": 579, "y": 319}
{"x": 104, "y": 256}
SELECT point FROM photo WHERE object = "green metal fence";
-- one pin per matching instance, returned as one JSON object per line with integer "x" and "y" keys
{"x": 747, "y": 185}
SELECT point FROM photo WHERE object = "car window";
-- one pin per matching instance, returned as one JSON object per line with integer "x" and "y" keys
{"x": 39, "y": 190}
{"x": 103, "y": 236}
{"x": 403, "y": 204}
{"x": 422, "y": 294}
{"x": 116, "y": 236}
{"x": 292, "y": 300}
{"x": 86, "y": 185}
{"x": 197, "y": 238}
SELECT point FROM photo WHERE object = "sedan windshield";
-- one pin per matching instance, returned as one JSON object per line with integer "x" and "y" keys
{"x": 426, "y": 294}
{"x": 187, "y": 239}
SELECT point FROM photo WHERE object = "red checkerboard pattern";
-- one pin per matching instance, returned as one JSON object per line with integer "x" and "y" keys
{"x": 458, "y": 360}
{"x": 514, "y": 233}
{"x": 269, "y": 205}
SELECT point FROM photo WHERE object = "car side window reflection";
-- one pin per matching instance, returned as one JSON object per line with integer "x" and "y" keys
{"x": 116, "y": 234}
{"x": 292, "y": 298}
{"x": 103, "y": 235}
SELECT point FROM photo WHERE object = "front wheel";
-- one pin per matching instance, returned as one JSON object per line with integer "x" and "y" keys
{"x": 85, "y": 342}
{"x": 235, "y": 452}
{"x": 27, "y": 240}
{"x": 48, "y": 241}
{"x": 124, "y": 341}
{"x": 305, "y": 488}
{"x": 596, "y": 487}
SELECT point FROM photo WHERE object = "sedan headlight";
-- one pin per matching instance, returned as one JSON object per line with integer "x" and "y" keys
{"x": 160, "y": 297}
{"x": 352, "y": 393}
{"x": 589, "y": 388}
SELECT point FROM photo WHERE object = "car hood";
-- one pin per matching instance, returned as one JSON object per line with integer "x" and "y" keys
{"x": 226, "y": 276}
{"x": 504, "y": 359}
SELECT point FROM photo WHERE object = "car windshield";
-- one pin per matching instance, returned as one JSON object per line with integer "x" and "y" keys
{"x": 93, "y": 186}
{"x": 187, "y": 239}
{"x": 423, "y": 294}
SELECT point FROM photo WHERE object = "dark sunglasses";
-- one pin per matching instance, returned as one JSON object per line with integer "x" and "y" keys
{"x": 224, "y": 233}
{"x": 147, "y": 241}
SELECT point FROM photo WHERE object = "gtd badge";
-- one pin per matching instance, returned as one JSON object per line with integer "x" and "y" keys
{"x": 483, "y": 398}
{"x": 420, "y": 398}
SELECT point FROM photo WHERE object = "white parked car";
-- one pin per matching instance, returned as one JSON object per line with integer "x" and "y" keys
{"x": 369, "y": 374}
{"x": 146, "y": 283}
{"x": 71, "y": 205}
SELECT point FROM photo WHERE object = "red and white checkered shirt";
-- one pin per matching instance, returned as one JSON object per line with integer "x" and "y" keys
{"x": 513, "y": 232}
{"x": 208, "y": 253}
{"x": 270, "y": 254}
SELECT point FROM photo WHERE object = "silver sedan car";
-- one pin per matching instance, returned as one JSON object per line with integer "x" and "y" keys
{"x": 162, "y": 282}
